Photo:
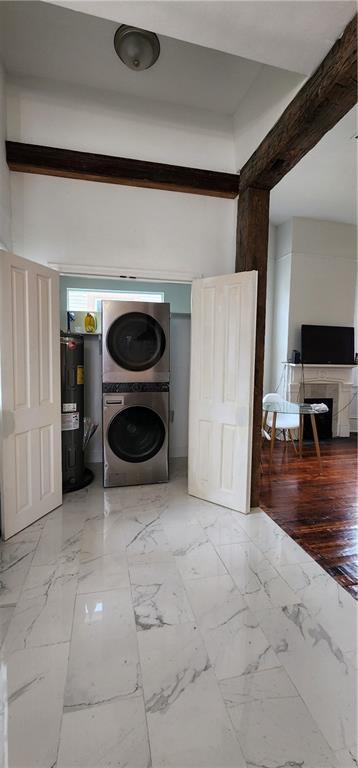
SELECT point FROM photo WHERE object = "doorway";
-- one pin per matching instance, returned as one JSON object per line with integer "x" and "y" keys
{"x": 221, "y": 373}
{"x": 80, "y": 295}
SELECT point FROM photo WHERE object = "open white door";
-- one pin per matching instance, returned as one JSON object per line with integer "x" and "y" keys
{"x": 221, "y": 388}
{"x": 30, "y": 461}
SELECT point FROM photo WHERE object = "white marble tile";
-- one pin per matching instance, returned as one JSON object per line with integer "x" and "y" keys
{"x": 105, "y": 735}
{"x": 136, "y": 532}
{"x": 144, "y": 537}
{"x": 15, "y": 561}
{"x": 101, "y": 536}
{"x": 187, "y": 721}
{"x": 158, "y": 594}
{"x": 29, "y": 535}
{"x": 222, "y": 527}
{"x": 103, "y": 660}
{"x": 35, "y": 681}
{"x": 199, "y": 562}
{"x": 184, "y": 537}
{"x": 3, "y": 716}
{"x": 184, "y": 508}
{"x": 272, "y": 540}
{"x": 285, "y": 551}
{"x": 346, "y": 758}
{"x": 263, "y": 531}
{"x": 352, "y": 658}
{"x": 60, "y": 539}
{"x": 318, "y": 669}
{"x": 103, "y": 572}
{"x": 256, "y": 578}
{"x": 273, "y": 724}
{"x": 6, "y": 612}
{"x": 44, "y": 612}
{"x": 179, "y": 514}
{"x": 136, "y": 501}
{"x": 196, "y": 635}
{"x": 236, "y": 644}
{"x": 326, "y": 600}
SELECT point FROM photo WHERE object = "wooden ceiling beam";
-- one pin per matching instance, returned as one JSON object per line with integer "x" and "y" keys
{"x": 319, "y": 105}
{"x": 70, "y": 164}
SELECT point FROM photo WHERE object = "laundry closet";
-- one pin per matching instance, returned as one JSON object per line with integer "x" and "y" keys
{"x": 136, "y": 338}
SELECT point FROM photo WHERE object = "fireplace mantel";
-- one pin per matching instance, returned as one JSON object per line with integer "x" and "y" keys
{"x": 314, "y": 380}
{"x": 320, "y": 365}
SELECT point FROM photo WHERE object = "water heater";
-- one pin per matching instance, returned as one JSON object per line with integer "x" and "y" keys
{"x": 72, "y": 411}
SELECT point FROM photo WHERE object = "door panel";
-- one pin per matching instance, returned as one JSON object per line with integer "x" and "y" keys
{"x": 45, "y": 338}
{"x": 20, "y": 325}
{"x": 46, "y": 460}
{"x": 31, "y": 481}
{"x": 221, "y": 388}
{"x": 23, "y": 466}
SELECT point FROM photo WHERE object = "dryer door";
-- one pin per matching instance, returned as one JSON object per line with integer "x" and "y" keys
{"x": 136, "y": 341}
{"x": 136, "y": 434}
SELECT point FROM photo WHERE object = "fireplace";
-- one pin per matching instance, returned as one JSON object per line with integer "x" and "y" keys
{"x": 323, "y": 420}
{"x": 321, "y": 383}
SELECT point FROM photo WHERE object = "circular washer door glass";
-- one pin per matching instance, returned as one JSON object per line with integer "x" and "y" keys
{"x": 136, "y": 341}
{"x": 136, "y": 434}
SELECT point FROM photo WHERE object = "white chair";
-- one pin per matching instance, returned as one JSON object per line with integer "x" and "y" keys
{"x": 286, "y": 422}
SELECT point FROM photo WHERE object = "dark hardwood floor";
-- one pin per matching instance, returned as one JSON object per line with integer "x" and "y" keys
{"x": 319, "y": 511}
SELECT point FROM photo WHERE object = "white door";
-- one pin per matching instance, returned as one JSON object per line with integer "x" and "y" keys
{"x": 30, "y": 461}
{"x": 221, "y": 388}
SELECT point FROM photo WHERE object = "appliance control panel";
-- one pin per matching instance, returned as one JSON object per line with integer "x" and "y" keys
{"x": 150, "y": 386}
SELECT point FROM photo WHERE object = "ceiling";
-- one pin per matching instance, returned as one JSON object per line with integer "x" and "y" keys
{"x": 324, "y": 184}
{"x": 293, "y": 35}
{"x": 43, "y": 40}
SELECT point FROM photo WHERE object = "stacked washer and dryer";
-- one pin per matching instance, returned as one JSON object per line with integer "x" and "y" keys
{"x": 135, "y": 388}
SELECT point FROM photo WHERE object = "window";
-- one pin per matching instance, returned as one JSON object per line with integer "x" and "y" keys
{"x": 84, "y": 300}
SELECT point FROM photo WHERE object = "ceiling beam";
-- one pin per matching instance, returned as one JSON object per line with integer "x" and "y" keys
{"x": 251, "y": 254}
{"x": 70, "y": 164}
{"x": 319, "y": 105}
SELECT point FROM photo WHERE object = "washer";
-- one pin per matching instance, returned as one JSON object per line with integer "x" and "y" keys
{"x": 135, "y": 436}
{"x": 135, "y": 341}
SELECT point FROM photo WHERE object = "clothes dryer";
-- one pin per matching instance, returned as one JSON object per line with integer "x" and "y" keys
{"x": 135, "y": 342}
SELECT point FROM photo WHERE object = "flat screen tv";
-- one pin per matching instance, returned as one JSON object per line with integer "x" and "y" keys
{"x": 327, "y": 344}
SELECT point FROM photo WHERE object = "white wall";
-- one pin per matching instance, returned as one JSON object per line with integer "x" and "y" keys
{"x": 324, "y": 282}
{"x": 315, "y": 283}
{"x": 269, "y": 95}
{"x": 64, "y": 115}
{"x": 270, "y": 305}
{"x": 5, "y": 229}
{"x": 282, "y": 291}
{"x": 80, "y": 223}
{"x": 323, "y": 275}
{"x": 85, "y": 223}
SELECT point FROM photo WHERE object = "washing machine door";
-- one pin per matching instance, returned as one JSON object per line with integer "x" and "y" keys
{"x": 136, "y": 434}
{"x": 136, "y": 341}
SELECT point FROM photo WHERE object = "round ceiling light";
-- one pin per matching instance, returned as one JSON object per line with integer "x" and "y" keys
{"x": 137, "y": 48}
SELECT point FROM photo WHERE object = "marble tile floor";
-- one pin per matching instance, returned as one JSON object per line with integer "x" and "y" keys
{"x": 141, "y": 627}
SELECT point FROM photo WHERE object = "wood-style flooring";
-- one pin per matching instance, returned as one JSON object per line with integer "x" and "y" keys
{"x": 319, "y": 511}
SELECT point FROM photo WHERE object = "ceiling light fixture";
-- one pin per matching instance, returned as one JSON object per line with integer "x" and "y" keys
{"x": 137, "y": 48}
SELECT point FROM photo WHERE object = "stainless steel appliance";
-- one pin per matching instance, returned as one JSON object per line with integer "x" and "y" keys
{"x": 135, "y": 434}
{"x": 135, "y": 341}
